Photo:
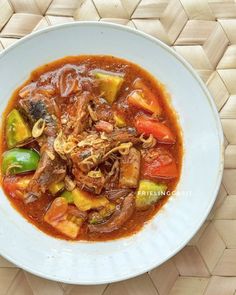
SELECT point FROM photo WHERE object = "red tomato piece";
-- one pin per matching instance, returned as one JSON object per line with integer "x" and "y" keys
{"x": 150, "y": 126}
{"x": 15, "y": 186}
{"x": 159, "y": 163}
{"x": 143, "y": 98}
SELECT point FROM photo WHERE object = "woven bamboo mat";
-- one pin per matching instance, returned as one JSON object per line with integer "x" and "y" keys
{"x": 204, "y": 33}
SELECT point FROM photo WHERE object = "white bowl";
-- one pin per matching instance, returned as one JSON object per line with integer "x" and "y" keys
{"x": 183, "y": 214}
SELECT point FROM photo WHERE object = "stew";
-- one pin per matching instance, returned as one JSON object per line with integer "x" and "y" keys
{"x": 90, "y": 148}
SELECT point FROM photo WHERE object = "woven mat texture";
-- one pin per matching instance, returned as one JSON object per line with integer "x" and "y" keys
{"x": 204, "y": 33}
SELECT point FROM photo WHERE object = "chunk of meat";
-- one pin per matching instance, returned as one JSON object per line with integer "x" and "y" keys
{"x": 104, "y": 126}
{"x": 107, "y": 180}
{"x": 130, "y": 169}
{"x": 77, "y": 119}
{"x": 51, "y": 167}
{"x": 73, "y": 210}
{"x": 119, "y": 217}
{"x": 27, "y": 90}
{"x": 112, "y": 177}
{"x": 91, "y": 184}
{"x": 34, "y": 88}
{"x": 126, "y": 134}
{"x": 71, "y": 79}
{"x": 89, "y": 156}
{"x": 115, "y": 194}
{"x": 103, "y": 109}
{"x": 67, "y": 80}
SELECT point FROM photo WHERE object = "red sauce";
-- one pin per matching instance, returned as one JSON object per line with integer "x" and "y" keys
{"x": 34, "y": 212}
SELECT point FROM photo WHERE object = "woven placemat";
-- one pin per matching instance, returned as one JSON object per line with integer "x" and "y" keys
{"x": 204, "y": 33}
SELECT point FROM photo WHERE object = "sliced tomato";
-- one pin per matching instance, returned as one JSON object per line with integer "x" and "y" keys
{"x": 143, "y": 98}
{"x": 163, "y": 171}
{"x": 159, "y": 163}
{"x": 149, "y": 126}
{"x": 15, "y": 186}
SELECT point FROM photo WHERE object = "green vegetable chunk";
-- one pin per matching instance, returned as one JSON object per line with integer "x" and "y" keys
{"x": 109, "y": 84}
{"x": 149, "y": 193}
{"x": 68, "y": 196}
{"x": 17, "y": 130}
{"x": 19, "y": 160}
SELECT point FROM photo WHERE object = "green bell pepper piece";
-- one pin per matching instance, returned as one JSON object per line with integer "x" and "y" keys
{"x": 19, "y": 160}
{"x": 17, "y": 130}
{"x": 149, "y": 193}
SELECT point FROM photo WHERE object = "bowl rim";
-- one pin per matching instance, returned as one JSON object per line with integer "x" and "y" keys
{"x": 220, "y": 134}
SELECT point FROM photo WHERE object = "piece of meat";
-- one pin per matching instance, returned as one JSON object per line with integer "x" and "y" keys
{"x": 115, "y": 194}
{"x": 130, "y": 169}
{"x": 49, "y": 171}
{"x": 74, "y": 211}
{"x": 67, "y": 80}
{"x": 71, "y": 79}
{"x": 125, "y": 134}
{"x": 119, "y": 217}
{"x": 112, "y": 177}
{"x": 38, "y": 107}
{"x": 78, "y": 115}
{"x": 103, "y": 109}
{"x": 91, "y": 184}
{"x": 82, "y": 114}
{"x": 51, "y": 167}
{"x": 104, "y": 126}
{"x": 108, "y": 180}
{"x": 90, "y": 156}
{"x": 27, "y": 90}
